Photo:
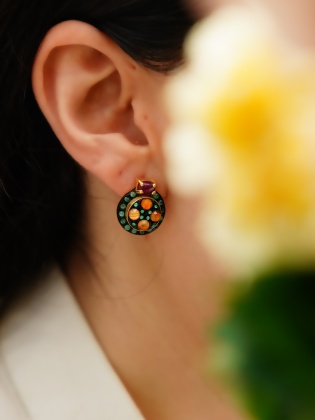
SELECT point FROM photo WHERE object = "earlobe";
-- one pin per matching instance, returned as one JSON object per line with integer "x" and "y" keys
{"x": 85, "y": 86}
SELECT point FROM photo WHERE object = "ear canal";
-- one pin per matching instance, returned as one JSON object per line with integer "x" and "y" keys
{"x": 129, "y": 129}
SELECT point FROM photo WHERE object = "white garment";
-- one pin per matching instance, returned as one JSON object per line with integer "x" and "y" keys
{"x": 51, "y": 366}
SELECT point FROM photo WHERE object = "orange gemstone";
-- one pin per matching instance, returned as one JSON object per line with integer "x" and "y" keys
{"x": 134, "y": 214}
{"x": 155, "y": 216}
{"x": 143, "y": 225}
{"x": 146, "y": 204}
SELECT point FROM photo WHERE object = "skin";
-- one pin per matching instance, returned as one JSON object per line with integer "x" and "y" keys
{"x": 295, "y": 19}
{"x": 147, "y": 299}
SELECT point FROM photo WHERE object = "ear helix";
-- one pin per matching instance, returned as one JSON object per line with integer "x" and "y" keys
{"x": 142, "y": 210}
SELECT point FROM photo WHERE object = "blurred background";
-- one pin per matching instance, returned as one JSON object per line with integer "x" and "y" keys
{"x": 246, "y": 99}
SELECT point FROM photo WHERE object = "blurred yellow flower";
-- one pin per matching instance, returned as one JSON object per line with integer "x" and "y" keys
{"x": 243, "y": 136}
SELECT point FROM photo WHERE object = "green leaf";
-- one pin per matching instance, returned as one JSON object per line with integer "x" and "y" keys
{"x": 268, "y": 340}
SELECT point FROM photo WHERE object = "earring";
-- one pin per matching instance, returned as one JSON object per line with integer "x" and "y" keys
{"x": 141, "y": 210}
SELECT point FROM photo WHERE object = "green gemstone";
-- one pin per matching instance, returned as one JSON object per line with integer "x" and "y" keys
{"x": 134, "y": 224}
{"x": 123, "y": 221}
{"x": 121, "y": 214}
{"x": 141, "y": 217}
{"x": 161, "y": 203}
{"x": 136, "y": 205}
{"x": 148, "y": 217}
{"x": 142, "y": 211}
{"x": 142, "y": 233}
{"x": 156, "y": 206}
{"x": 127, "y": 199}
{"x": 127, "y": 227}
{"x": 133, "y": 194}
{"x": 123, "y": 206}
{"x": 134, "y": 231}
{"x": 156, "y": 196}
{"x": 150, "y": 212}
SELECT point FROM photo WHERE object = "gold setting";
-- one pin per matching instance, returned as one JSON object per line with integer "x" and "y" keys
{"x": 141, "y": 210}
{"x": 141, "y": 182}
{"x": 133, "y": 214}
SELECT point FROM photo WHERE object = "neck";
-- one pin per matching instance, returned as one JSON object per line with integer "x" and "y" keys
{"x": 147, "y": 307}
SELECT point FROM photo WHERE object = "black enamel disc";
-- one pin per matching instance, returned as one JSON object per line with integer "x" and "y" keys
{"x": 140, "y": 214}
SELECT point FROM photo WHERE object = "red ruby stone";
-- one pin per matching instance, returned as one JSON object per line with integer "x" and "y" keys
{"x": 147, "y": 187}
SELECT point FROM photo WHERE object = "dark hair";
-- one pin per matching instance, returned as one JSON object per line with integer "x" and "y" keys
{"x": 41, "y": 187}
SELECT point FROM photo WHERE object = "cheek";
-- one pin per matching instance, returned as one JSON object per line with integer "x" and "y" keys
{"x": 202, "y": 8}
{"x": 189, "y": 270}
{"x": 151, "y": 87}
{"x": 184, "y": 250}
{"x": 152, "y": 117}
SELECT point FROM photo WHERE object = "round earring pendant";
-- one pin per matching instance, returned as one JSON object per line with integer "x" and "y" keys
{"x": 142, "y": 210}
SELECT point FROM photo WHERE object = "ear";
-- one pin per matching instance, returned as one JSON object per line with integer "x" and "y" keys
{"x": 95, "y": 97}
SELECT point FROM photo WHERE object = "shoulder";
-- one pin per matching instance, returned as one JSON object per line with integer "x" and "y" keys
{"x": 18, "y": 334}
{"x": 11, "y": 407}
{"x": 52, "y": 365}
